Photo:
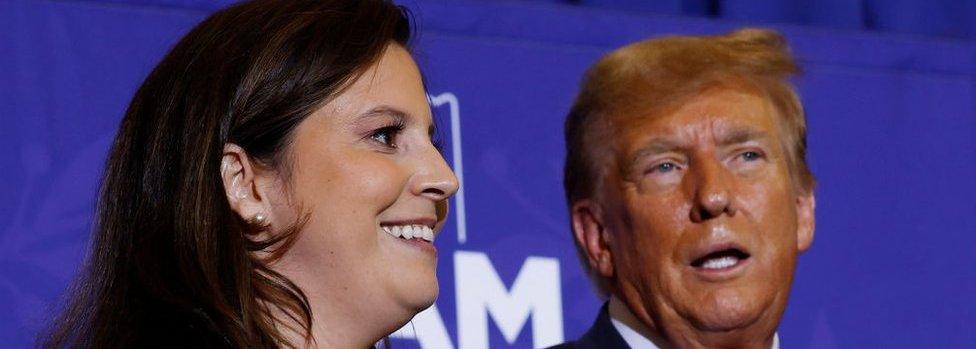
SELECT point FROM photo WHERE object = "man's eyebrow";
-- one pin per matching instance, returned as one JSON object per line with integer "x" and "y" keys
{"x": 741, "y": 135}
{"x": 664, "y": 145}
{"x": 655, "y": 146}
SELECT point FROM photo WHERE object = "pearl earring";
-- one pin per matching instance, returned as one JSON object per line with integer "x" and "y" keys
{"x": 259, "y": 219}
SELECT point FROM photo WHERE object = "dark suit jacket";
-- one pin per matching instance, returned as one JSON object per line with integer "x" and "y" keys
{"x": 602, "y": 335}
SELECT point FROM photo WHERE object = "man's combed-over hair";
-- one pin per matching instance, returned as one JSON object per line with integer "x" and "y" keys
{"x": 648, "y": 77}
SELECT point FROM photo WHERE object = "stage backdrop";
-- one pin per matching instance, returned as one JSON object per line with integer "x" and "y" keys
{"x": 891, "y": 124}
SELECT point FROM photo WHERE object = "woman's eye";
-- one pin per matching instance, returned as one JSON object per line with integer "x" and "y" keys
{"x": 386, "y": 136}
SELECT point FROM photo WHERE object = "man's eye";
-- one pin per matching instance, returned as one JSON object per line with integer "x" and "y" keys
{"x": 665, "y": 167}
{"x": 386, "y": 136}
{"x": 751, "y": 156}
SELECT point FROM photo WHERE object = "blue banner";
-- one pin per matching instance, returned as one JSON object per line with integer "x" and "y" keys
{"x": 892, "y": 141}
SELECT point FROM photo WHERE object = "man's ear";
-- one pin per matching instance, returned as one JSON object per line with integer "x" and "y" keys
{"x": 242, "y": 186}
{"x": 590, "y": 233}
{"x": 806, "y": 205}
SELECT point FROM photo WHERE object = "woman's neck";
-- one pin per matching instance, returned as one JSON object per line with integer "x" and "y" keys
{"x": 331, "y": 328}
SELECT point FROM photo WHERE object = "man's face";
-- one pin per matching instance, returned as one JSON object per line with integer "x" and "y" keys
{"x": 703, "y": 223}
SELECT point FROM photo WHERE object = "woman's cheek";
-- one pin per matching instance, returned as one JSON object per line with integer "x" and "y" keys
{"x": 378, "y": 180}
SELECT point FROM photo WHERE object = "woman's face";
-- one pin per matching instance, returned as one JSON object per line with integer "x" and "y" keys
{"x": 364, "y": 169}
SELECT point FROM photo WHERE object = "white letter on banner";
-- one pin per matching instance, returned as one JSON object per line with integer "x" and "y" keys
{"x": 428, "y": 329}
{"x": 480, "y": 292}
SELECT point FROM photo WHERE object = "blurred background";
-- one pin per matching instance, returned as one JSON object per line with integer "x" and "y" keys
{"x": 888, "y": 88}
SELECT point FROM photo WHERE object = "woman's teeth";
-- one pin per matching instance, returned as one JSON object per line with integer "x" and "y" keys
{"x": 410, "y": 231}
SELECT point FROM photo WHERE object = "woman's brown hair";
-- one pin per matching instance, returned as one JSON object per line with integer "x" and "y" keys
{"x": 169, "y": 259}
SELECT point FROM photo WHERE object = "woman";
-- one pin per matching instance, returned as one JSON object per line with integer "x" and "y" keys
{"x": 273, "y": 184}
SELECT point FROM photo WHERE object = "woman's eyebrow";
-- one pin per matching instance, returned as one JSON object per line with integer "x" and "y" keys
{"x": 385, "y": 110}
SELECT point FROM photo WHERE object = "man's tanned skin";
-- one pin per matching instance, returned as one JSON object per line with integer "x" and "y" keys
{"x": 700, "y": 200}
{"x": 707, "y": 177}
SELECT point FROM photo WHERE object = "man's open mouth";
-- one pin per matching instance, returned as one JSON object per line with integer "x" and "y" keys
{"x": 721, "y": 259}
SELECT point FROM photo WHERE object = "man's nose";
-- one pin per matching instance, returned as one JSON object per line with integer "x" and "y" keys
{"x": 714, "y": 191}
{"x": 434, "y": 179}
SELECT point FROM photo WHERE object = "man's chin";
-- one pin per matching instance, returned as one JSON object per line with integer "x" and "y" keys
{"x": 725, "y": 322}
{"x": 730, "y": 310}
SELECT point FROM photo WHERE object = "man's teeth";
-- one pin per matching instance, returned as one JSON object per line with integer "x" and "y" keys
{"x": 410, "y": 231}
{"x": 720, "y": 263}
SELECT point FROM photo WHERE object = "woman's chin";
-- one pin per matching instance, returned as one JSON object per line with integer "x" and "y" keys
{"x": 422, "y": 298}
{"x": 408, "y": 305}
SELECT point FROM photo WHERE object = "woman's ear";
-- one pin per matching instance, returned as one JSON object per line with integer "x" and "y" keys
{"x": 244, "y": 187}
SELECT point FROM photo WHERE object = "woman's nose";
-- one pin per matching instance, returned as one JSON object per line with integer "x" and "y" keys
{"x": 435, "y": 179}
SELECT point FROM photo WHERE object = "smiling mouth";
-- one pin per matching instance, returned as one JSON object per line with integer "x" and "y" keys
{"x": 721, "y": 260}
{"x": 410, "y": 232}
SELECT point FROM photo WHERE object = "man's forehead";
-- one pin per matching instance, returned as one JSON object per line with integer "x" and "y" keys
{"x": 725, "y": 114}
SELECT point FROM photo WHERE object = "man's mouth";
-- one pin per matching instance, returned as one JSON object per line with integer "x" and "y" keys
{"x": 721, "y": 259}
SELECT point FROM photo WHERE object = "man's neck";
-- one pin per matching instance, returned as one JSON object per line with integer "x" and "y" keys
{"x": 637, "y": 334}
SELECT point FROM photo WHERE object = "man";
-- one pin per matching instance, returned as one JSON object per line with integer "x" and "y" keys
{"x": 689, "y": 192}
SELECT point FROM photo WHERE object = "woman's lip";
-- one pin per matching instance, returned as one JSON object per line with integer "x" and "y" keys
{"x": 426, "y": 221}
{"x": 420, "y": 244}
{"x": 415, "y": 243}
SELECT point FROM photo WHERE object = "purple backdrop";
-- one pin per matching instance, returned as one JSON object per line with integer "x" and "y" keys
{"x": 891, "y": 134}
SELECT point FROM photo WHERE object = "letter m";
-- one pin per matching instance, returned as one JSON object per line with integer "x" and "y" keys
{"x": 481, "y": 292}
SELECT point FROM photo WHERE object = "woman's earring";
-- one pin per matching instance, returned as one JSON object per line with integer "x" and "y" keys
{"x": 259, "y": 219}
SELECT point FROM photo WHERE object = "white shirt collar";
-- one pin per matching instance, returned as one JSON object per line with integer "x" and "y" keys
{"x": 635, "y": 333}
